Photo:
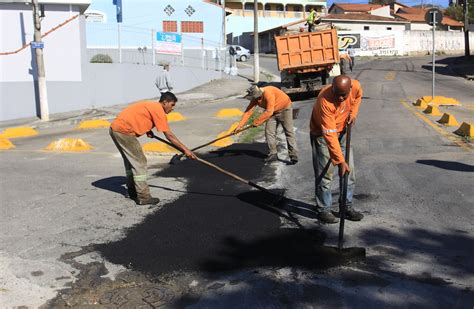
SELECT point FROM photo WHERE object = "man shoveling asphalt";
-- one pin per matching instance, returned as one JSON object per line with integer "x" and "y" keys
{"x": 133, "y": 122}
{"x": 278, "y": 110}
{"x": 336, "y": 105}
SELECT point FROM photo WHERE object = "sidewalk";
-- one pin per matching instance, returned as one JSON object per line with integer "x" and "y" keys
{"x": 216, "y": 90}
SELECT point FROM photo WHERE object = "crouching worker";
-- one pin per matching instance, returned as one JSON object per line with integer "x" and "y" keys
{"x": 336, "y": 105}
{"x": 134, "y": 121}
{"x": 278, "y": 110}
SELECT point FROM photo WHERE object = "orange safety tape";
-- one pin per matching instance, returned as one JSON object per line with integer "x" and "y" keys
{"x": 43, "y": 35}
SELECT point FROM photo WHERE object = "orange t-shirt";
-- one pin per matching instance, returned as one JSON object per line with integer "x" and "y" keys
{"x": 329, "y": 118}
{"x": 273, "y": 100}
{"x": 141, "y": 117}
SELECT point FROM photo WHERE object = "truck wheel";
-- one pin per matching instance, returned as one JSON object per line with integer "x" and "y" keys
{"x": 243, "y": 58}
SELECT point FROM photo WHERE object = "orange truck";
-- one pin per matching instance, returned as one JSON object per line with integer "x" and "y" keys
{"x": 305, "y": 59}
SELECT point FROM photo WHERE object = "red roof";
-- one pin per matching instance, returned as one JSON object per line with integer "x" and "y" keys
{"x": 361, "y": 17}
{"x": 418, "y": 15}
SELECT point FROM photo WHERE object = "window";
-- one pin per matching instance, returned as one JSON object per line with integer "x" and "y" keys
{"x": 389, "y": 28}
{"x": 366, "y": 28}
{"x": 192, "y": 26}
{"x": 170, "y": 26}
{"x": 248, "y": 6}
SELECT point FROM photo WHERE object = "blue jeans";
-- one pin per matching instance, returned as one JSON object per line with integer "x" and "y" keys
{"x": 323, "y": 173}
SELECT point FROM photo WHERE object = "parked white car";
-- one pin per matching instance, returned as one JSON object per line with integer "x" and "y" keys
{"x": 241, "y": 53}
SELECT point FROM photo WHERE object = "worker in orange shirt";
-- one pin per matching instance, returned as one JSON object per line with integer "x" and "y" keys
{"x": 278, "y": 110}
{"x": 133, "y": 122}
{"x": 336, "y": 105}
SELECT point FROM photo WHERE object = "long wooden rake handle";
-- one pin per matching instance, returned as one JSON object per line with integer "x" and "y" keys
{"x": 220, "y": 169}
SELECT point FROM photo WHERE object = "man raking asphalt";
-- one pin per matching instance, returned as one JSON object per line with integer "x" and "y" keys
{"x": 279, "y": 196}
{"x": 177, "y": 157}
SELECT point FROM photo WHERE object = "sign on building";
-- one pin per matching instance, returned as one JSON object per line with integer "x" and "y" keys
{"x": 168, "y": 43}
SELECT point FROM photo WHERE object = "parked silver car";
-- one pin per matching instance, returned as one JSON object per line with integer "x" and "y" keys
{"x": 241, "y": 53}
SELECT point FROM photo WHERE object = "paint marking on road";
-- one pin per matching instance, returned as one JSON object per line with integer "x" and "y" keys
{"x": 391, "y": 75}
{"x": 229, "y": 112}
{"x": 175, "y": 116}
{"x": 442, "y": 132}
{"x": 69, "y": 145}
{"x": 93, "y": 124}
{"x": 18, "y": 132}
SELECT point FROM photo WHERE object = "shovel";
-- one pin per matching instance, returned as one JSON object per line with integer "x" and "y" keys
{"x": 354, "y": 252}
{"x": 220, "y": 169}
{"x": 176, "y": 158}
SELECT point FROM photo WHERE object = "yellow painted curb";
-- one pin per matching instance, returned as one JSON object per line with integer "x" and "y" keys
{"x": 158, "y": 147}
{"x": 432, "y": 110}
{"x": 94, "y": 124}
{"x": 5, "y": 144}
{"x": 174, "y": 116}
{"x": 420, "y": 104}
{"x": 440, "y": 100}
{"x": 466, "y": 130}
{"x": 226, "y": 141}
{"x": 448, "y": 120}
{"x": 229, "y": 112}
{"x": 18, "y": 132}
{"x": 69, "y": 145}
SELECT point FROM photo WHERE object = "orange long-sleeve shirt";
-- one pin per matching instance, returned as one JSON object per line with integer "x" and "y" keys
{"x": 141, "y": 117}
{"x": 273, "y": 100}
{"x": 329, "y": 117}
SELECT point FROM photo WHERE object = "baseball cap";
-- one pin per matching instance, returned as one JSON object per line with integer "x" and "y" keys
{"x": 253, "y": 92}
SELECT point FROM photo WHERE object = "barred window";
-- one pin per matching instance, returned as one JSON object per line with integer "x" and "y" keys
{"x": 192, "y": 26}
{"x": 170, "y": 26}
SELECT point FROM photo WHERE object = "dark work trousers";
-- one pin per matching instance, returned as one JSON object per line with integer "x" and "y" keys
{"x": 285, "y": 118}
{"x": 135, "y": 164}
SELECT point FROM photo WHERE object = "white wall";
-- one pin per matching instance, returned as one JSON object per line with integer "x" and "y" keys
{"x": 421, "y": 42}
{"x": 383, "y": 11}
{"x": 386, "y": 43}
{"x": 419, "y": 26}
{"x": 62, "y": 48}
{"x": 352, "y": 26}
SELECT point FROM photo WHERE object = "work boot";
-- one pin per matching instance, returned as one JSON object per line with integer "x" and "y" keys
{"x": 327, "y": 217}
{"x": 148, "y": 201}
{"x": 271, "y": 158}
{"x": 351, "y": 214}
{"x": 293, "y": 160}
{"x": 132, "y": 193}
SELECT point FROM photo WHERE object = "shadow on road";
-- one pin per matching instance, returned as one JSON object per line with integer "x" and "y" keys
{"x": 213, "y": 227}
{"x": 454, "y": 66}
{"x": 114, "y": 184}
{"x": 448, "y": 165}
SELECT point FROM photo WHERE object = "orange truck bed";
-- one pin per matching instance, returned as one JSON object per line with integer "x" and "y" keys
{"x": 307, "y": 50}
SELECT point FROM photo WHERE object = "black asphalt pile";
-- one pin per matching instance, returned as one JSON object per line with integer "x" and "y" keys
{"x": 220, "y": 224}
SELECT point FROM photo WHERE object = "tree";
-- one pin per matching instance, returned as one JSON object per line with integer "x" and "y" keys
{"x": 456, "y": 11}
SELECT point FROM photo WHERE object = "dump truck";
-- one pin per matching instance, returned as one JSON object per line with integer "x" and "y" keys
{"x": 305, "y": 59}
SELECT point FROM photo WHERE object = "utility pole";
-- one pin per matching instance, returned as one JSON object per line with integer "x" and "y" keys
{"x": 37, "y": 45}
{"x": 256, "y": 66}
{"x": 224, "y": 24}
{"x": 466, "y": 29}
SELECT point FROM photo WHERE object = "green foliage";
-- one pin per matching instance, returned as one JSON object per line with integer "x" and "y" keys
{"x": 101, "y": 58}
{"x": 250, "y": 135}
{"x": 456, "y": 12}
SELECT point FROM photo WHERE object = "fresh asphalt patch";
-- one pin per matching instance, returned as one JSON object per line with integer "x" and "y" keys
{"x": 220, "y": 224}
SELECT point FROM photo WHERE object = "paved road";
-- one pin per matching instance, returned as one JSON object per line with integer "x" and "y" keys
{"x": 215, "y": 242}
